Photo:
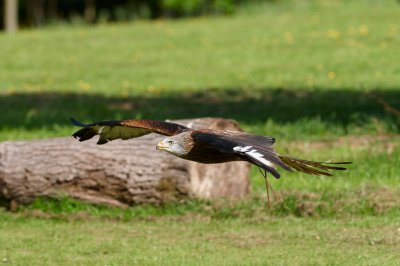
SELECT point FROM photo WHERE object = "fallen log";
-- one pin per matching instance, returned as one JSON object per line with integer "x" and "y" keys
{"x": 120, "y": 173}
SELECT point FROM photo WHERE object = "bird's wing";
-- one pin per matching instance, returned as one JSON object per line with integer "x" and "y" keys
{"x": 255, "y": 149}
{"x": 312, "y": 167}
{"x": 124, "y": 129}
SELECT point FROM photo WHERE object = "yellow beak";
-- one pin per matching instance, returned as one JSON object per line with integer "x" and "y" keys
{"x": 161, "y": 146}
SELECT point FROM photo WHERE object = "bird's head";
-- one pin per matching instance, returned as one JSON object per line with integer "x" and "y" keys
{"x": 178, "y": 145}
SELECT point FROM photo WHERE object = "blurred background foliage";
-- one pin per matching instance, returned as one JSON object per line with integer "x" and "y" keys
{"x": 34, "y": 13}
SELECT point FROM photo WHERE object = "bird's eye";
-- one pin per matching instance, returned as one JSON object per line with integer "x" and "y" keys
{"x": 170, "y": 143}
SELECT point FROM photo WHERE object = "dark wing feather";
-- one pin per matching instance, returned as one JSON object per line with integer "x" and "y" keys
{"x": 259, "y": 152}
{"x": 124, "y": 129}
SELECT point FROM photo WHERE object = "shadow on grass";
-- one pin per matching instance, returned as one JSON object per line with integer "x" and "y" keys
{"x": 255, "y": 106}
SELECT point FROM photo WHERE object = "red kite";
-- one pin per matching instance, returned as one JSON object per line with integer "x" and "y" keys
{"x": 206, "y": 145}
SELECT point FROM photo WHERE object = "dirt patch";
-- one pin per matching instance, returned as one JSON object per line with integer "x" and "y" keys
{"x": 387, "y": 142}
{"x": 386, "y": 236}
{"x": 78, "y": 216}
{"x": 242, "y": 240}
{"x": 365, "y": 200}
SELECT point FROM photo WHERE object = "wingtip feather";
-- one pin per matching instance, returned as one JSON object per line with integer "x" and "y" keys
{"x": 84, "y": 134}
{"x": 77, "y": 123}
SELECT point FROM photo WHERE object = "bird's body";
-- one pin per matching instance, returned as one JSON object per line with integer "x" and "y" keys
{"x": 197, "y": 151}
{"x": 205, "y": 145}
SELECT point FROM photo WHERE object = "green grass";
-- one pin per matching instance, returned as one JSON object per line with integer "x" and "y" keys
{"x": 286, "y": 48}
{"x": 320, "y": 76}
{"x": 195, "y": 241}
{"x": 294, "y": 71}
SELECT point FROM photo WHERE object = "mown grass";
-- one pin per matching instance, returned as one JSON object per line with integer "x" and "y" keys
{"x": 320, "y": 76}
{"x": 289, "y": 70}
{"x": 330, "y": 46}
{"x": 191, "y": 241}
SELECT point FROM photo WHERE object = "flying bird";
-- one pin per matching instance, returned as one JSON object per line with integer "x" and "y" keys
{"x": 206, "y": 145}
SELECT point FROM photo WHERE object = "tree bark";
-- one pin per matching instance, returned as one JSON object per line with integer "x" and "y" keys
{"x": 90, "y": 11}
{"x": 52, "y": 10}
{"x": 36, "y": 12}
{"x": 120, "y": 173}
{"x": 11, "y": 15}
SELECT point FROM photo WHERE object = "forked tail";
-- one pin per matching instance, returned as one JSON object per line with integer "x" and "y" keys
{"x": 311, "y": 167}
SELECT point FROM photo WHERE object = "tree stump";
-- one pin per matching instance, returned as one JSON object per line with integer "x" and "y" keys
{"x": 120, "y": 173}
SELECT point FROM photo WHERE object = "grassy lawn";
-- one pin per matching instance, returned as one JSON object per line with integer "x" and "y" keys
{"x": 321, "y": 76}
{"x": 293, "y": 71}
{"x": 196, "y": 241}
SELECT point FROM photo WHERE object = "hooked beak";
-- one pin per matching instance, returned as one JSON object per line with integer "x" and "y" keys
{"x": 161, "y": 146}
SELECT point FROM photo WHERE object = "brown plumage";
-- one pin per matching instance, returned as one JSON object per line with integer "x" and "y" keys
{"x": 124, "y": 129}
{"x": 206, "y": 145}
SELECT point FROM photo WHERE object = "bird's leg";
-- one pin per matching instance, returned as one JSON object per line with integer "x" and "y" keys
{"x": 264, "y": 174}
{"x": 267, "y": 185}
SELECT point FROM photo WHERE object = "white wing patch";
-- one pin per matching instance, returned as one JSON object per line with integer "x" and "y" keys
{"x": 242, "y": 149}
{"x": 254, "y": 154}
{"x": 100, "y": 130}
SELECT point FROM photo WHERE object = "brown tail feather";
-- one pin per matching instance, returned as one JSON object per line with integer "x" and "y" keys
{"x": 311, "y": 167}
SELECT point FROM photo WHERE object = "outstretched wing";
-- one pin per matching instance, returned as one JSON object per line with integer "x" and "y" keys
{"x": 255, "y": 149}
{"x": 124, "y": 129}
